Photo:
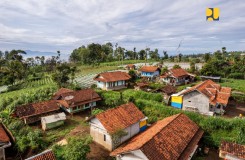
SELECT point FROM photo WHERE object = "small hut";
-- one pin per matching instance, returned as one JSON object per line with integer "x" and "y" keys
{"x": 53, "y": 121}
{"x": 130, "y": 67}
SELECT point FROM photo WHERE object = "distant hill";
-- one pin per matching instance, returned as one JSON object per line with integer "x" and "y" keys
{"x": 30, "y": 53}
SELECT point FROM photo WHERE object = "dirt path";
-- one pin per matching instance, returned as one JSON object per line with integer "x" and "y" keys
{"x": 234, "y": 109}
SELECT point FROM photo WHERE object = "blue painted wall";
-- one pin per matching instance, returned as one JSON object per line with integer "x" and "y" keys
{"x": 176, "y": 105}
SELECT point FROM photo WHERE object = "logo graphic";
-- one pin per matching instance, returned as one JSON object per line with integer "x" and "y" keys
{"x": 212, "y": 14}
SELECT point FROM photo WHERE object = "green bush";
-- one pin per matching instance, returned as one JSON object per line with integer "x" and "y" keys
{"x": 236, "y": 75}
{"x": 142, "y": 95}
{"x": 110, "y": 98}
{"x": 97, "y": 111}
{"x": 238, "y": 97}
{"x": 76, "y": 149}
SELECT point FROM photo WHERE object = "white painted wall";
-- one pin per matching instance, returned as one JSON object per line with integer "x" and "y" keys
{"x": 198, "y": 100}
{"x": 97, "y": 131}
{"x": 100, "y": 84}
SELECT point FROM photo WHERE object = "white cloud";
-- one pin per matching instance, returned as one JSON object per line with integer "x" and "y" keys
{"x": 67, "y": 24}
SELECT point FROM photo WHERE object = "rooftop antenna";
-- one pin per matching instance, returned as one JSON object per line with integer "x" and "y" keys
{"x": 178, "y": 48}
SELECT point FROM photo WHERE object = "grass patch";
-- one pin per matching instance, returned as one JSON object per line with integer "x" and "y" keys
{"x": 182, "y": 87}
{"x": 235, "y": 84}
{"x": 57, "y": 134}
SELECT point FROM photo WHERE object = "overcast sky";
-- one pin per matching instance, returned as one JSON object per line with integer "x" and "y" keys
{"x": 51, "y": 25}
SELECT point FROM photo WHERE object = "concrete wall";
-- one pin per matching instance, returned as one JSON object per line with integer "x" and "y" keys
{"x": 46, "y": 126}
{"x": 105, "y": 85}
{"x": 133, "y": 155}
{"x": 100, "y": 84}
{"x": 198, "y": 100}
{"x": 131, "y": 130}
{"x": 98, "y": 133}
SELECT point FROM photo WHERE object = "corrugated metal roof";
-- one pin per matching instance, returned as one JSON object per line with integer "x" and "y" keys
{"x": 54, "y": 118}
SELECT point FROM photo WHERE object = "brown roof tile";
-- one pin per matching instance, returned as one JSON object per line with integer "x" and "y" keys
{"x": 149, "y": 69}
{"x": 112, "y": 76}
{"x": 178, "y": 72}
{"x": 233, "y": 148}
{"x": 75, "y": 98}
{"x": 169, "y": 89}
{"x": 3, "y": 135}
{"x": 213, "y": 91}
{"x": 168, "y": 139}
{"x": 46, "y": 155}
{"x": 61, "y": 91}
{"x": 120, "y": 117}
{"x": 36, "y": 108}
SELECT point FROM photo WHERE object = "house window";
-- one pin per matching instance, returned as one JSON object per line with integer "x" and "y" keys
{"x": 104, "y": 137}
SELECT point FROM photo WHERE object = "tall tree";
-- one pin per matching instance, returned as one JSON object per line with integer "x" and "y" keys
{"x": 61, "y": 76}
{"x": 207, "y": 57}
{"x": 165, "y": 55}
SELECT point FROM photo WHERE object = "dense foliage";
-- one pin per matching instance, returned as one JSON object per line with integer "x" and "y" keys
{"x": 76, "y": 149}
{"x": 94, "y": 54}
{"x": 225, "y": 65}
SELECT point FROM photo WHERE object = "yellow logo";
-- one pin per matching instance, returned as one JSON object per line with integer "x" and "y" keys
{"x": 212, "y": 14}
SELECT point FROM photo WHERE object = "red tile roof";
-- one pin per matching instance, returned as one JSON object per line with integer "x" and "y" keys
{"x": 149, "y": 69}
{"x": 46, "y": 155}
{"x": 233, "y": 149}
{"x": 75, "y": 98}
{"x": 179, "y": 72}
{"x": 3, "y": 135}
{"x": 171, "y": 138}
{"x": 112, "y": 76}
{"x": 120, "y": 117}
{"x": 61, "y": 91}
{"x": 36, "y": 108}
{"x": 213, "y": 91}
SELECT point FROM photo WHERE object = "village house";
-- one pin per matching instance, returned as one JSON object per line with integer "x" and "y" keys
{"x": 76, "y": 101}
{"x": 167, "y": 91}
{"x": 112, "y": 80}
{"x": 232, "y": 151}
{"x": 33, "y": 112}
{"x": 141, "y": 86}
{"x": 130, "y": 67}
{"x": 206, "y": 98}
{"x": 106, "y": 127}
{"x": 172, "y": 138}
{"x": 4, "y": 141}
{"x": 53, "y": 121}
{"x": 46, "y": 155}
{"x": 150, "y": 71}
{"x": 177, "y": 76}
